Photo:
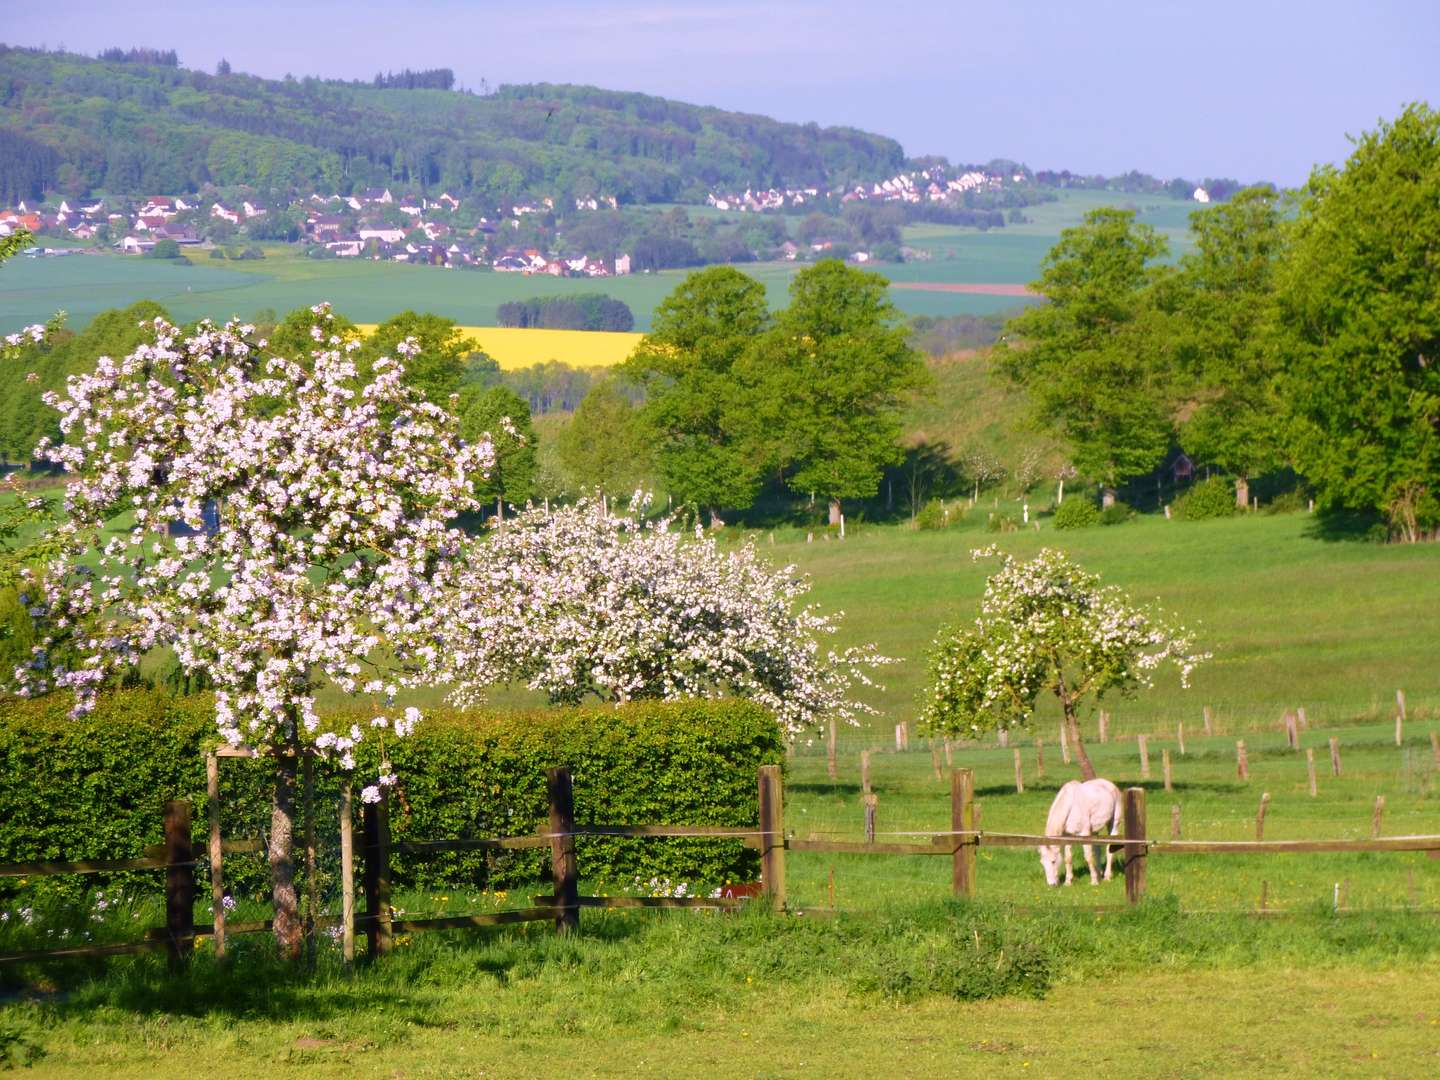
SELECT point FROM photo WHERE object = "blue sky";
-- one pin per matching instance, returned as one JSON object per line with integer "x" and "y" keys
{"x": 1254, "y": 90}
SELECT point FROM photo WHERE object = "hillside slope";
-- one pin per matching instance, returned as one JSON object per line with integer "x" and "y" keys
{"x": 78, "y": 125}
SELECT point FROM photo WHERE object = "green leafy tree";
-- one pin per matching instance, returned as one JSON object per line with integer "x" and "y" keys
{"x": 1095, "y": 360}
{"x": 603, "y": 447}
{"x": 14, "y": 243}
{"x": 697, "y": 405}
{"x": 497, "y": 411}
{"x": 1360, "y": 301}
{"x": 438, "y": 370}
{"x": 829, "y": 383}
{"x": 1235, "y": 418}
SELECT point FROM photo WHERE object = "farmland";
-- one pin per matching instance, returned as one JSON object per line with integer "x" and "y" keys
{"x": 370, "y": 292}
{"x": 515, "y": 347}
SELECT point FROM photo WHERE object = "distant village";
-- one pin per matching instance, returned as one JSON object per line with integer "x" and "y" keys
{"x": 382, "y": 224}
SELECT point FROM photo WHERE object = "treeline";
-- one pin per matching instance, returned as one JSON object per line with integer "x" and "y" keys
{"x": 430, "y": 79}
{"x": 158, "y": 57}
{"x": 583, "y": 311}
{"x": 1299, "y": 335}
{"x": 131, "y": 126}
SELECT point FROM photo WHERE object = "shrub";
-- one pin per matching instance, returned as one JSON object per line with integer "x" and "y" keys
{"x": 1116, "y": 513}
{"x": 93, "y": 787}
{"x": 1003, "y": 521}
{"x": 1293, "y": 501}
{"x": 934, "y": 515}
{"x": 1206, "y": 501}
{"x": 1076, "y": 514}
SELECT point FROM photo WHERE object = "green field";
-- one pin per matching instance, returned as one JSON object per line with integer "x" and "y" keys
{"x": 371, "y": 292}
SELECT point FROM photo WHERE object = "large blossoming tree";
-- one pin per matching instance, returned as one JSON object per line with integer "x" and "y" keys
{"x": 1047, "y": 626}
{"x": 584, "y": 600}
{"x": 317, "y": 504}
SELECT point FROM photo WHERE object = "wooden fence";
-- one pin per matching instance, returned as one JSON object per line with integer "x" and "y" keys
{"x": 960, "y": 843}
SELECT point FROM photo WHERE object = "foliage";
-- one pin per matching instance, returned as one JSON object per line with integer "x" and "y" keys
{"x": 937, "y": 335}
{"x": 92, "y": 787}
{"x": 1076, "y": 513}
{"x": 1360, "y": 300}
{"x": 935, "y": 514}
{"x": 1206, "y": 501}
{"x": 129, "y": 127}
{"x": 583, "y": 601}
{"x": 584, "y": 311}
{"x": 1236, "y": 416}
{"x": 317, "y": 504}
{"x": 698, "y": 405}
{"x": 1094, "y": 360}
{"x": 500, "y": 416}
{"x": 1046, "y": 626}
{"x": 1117, "y": 513}
{"x": 1002, "y": 521}
{"x": 830, "y": 380}
{"x": 438, "y": 367}
{"x": 603, "y": 448}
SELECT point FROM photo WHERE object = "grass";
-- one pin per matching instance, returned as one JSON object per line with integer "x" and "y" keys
{"x": 370, "y": 292}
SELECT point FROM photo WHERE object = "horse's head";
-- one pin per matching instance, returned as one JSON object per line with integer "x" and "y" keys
{"x": 1050, "y": 860}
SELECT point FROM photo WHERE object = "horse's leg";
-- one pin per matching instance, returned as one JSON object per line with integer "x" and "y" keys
{"x": 1109, "y": 857}
{"x": 1069, "y": 869}
{"x": 1090, "y": 862}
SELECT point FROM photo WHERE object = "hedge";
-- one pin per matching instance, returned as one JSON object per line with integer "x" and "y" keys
{"x": 92, "y": 788}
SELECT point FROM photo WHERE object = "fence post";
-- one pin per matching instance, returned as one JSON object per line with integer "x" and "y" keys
{"x": 1180, "y": 735}
{"x": 1175, "y": 821}
{"x": 1399, "y": 729}
{"x": 379, "y": 936}
{"x": 1376, "y": 816}
{"x": 962, "y": 819}
{"x": 1292, "y": 730}
{"x": 1019, "y": 774}
{"x": 1260, "y": 815}
{"x": 1165, "y": 768}
{"x": 347, "y": 878}
{"x": 1144, "y": 757}
{"x": 217, "y": 868}
{"x": 1208, "y": 729}
{"x": 865, "y": 772}
{"x": 1039, "y": 758}
{"x": 1134, "y": 853}
{"x": 772, "y": 840}
{"x": 1334, "y": 755}
{"x": 1400, "y": 703}
{"x": 905, "y": 734}
{"x": 872, "y": 806}
{"x": 179, "y": 883}
{"x": 830, "y": 751}
{"x": 1300, "y": 715}
{"x": 1310, "y": 770}
{"x": 1242, "y": 761}
{"x": 560, "y": 792}
{"x": 899, "y": 744}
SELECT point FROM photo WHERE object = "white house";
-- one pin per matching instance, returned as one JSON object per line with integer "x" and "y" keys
{"x": 383, "y": 234}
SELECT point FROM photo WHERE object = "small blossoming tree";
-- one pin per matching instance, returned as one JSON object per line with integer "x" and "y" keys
{"x": 1047, "y": 626}
{"x": 585, "y": 601}
{"x": 317, "y": 506}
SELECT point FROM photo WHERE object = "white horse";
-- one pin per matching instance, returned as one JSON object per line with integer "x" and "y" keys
{"x": 1081, "y": 810}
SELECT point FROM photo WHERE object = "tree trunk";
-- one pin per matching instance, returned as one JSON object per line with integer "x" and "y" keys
{"x": 1107, "y": 497}
{"x": 289, "y": 932}
{"x": 1087, "y": 770}
{"x": 835, "y": 513}
{"x": 716, "y": 521}
{"x": 1242, "y": 492}
{"x": 1060, "y": 492}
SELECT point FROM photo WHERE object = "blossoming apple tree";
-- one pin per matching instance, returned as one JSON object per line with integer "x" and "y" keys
{"x": 586, "y": 600}
{"x": 328, "y": 498}
{"x": 1047, "y": 626}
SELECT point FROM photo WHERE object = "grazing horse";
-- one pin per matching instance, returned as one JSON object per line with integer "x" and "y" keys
{"x": 1081, "y": 810}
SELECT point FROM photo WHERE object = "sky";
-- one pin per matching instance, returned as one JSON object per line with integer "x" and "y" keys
{"x": 1255, "y": 90}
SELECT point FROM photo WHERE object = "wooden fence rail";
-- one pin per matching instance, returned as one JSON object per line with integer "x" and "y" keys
{"x": 379, "y": 924}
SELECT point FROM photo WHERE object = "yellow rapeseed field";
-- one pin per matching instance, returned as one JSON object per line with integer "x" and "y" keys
{"x": 513, "y": 347}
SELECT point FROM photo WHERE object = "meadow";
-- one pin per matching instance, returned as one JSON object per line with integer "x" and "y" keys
{"x": 370, "y": 292}
{"x": 515, "y": 347}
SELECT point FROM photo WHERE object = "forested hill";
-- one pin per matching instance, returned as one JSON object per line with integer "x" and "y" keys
{"x": 140, "y": 123}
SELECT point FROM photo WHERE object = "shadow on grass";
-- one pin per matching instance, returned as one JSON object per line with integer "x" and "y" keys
{"x": 1347, "y": 526}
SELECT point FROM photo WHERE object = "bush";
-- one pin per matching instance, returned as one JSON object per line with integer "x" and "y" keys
{"x": 1076, "y": 514}
{"x": 1003, "y": 521}
{"x": 1206, "y": 501}
{"x": 1293, "y": 501}
{"x": 1117, "y": 513}
{"x": 934, "y": 515}
{"x": 93, "y": 787}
